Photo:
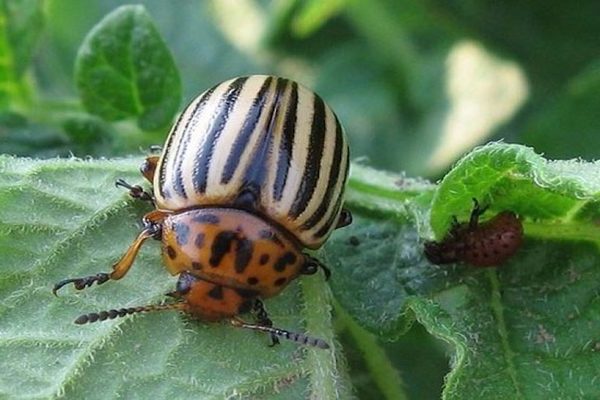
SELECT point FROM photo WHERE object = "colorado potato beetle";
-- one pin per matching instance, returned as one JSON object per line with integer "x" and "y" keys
{"x": 485, "y": 244}
{"x": 252, "y": 173}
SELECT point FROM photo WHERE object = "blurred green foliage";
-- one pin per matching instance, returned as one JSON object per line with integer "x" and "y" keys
{"x": 415, "y": 83}
{"x": 386, "y": 67}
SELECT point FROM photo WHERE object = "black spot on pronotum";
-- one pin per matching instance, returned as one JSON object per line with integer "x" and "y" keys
{"x": 206, "y": 219}
{"x": 263, "y": 259}
{"x": 220, "y": 246}
{"x": 280, "y": 281}
{"x": 196, "y": 265}
{"x": 216, "y": 292}
{"x": 252, "y": 280}
{"x": 246, "y": 293}
{"x": 243, "y": 255}
{"x": 199, "y": 241}
{"x": 285, "y": 260}
{"x": 182, "y": 233}
{"x": 265, "y": 234}
{"x": 270, "y": 235}
{"x": 171, "y": 252}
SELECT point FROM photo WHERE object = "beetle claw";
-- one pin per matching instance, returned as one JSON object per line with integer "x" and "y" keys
{"x": 82, "y": 283}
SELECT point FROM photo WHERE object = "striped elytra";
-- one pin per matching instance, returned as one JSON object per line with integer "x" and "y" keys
{"x": 260, "y": 143}
{"x": 252, "y": 173}
{"x": 480, "y": 244}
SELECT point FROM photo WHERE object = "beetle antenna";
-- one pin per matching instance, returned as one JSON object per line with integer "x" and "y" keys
{"x": 299, "y": 338}
{"x": 122, "y": 312}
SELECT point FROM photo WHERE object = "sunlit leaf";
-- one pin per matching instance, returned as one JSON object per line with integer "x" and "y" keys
{"x": 124, "y": 70}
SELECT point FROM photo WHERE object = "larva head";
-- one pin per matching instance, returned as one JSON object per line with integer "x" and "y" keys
{"x": 232, "y": 248}
{"x": 443, "y": 252}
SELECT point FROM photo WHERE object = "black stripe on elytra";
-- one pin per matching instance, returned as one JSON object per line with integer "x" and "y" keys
{"x": 182, "y": 146}
{"x": 338, "y": 204}
{"x": 243, "y": 254}
{"x": 241, "y": 140}
{"x": 331, "y": 182}
{"x": 163, "y": 164}
{"x": 286, "y": 146}
{"x": 221, "y": 246}
{"x": 162, "y": 173}
{"x": 285, "y": 260}
{"x": 258, "y": 167}
{"x": 216, "y": 292}
{"x": 205, "y": 153}
{"x": 313, "y": 159}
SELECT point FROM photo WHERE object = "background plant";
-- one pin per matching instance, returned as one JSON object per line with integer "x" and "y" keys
{"x": 417, "y": 85}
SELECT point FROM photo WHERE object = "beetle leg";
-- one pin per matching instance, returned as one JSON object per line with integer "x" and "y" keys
{"x": 120, "y": 268}
{"x": 262, "y": 318}
{"x": 155, "y": 149}
{"x": 344, "y": 219}
{"x": 135, "y": 191}
{"x": 476, "y": 213}
{"x": 299, "y": 338}
{"x": 312, "y": 265}
{"x": 122, "y": 312}
{"x": 148, "y": 167}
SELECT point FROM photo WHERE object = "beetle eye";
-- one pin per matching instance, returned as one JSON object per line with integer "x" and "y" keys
{"x": 310, "y": 267}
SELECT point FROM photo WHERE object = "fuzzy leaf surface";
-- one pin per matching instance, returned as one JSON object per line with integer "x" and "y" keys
{"x": 65, "y": 218}
{"x": 524, "y": 330}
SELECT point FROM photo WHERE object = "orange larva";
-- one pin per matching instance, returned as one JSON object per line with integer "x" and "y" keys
{"x": 485, "y": 244}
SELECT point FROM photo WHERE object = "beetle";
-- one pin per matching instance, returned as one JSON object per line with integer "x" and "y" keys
{"x": 485, "y": 244}
{"x": 252, "y": 173}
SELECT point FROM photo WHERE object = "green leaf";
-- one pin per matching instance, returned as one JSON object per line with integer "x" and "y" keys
{"x": 124, "y": 70}
{"x": 523, "y": 330}
{"x": 314, "y": 14}
{"x": 20, "y": 137}
{"x": 65, "y": 218}
{"x": 520, "y": 331}
{"x": 21, "y": 23}
{"x": 553, "y": 193}
{"x": 572, "y": 114}
{"x": 532, "y": 33}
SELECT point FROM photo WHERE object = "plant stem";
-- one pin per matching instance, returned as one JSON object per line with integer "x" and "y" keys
{"x": 326, "y": 383}
{"x": 564, "y": 231}
{"x": 386, "y": 376}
